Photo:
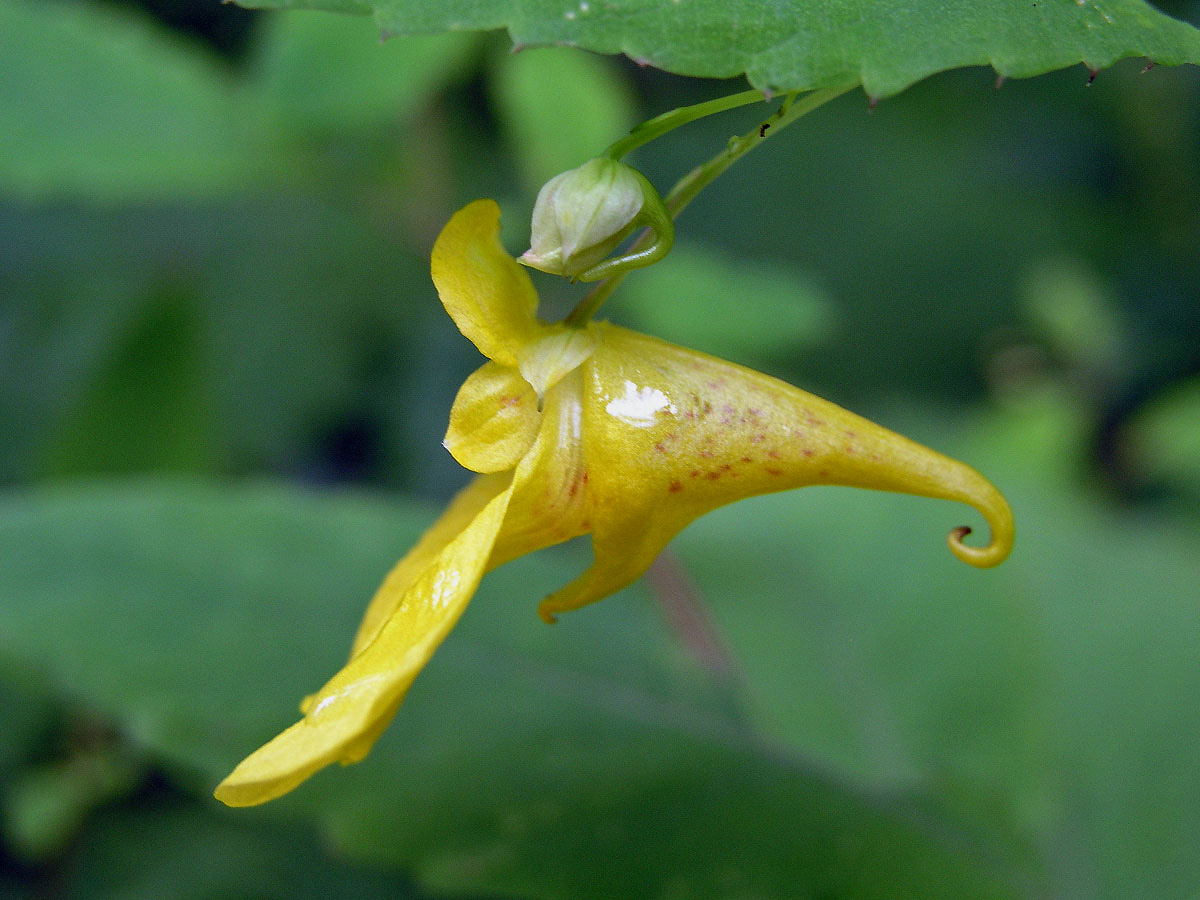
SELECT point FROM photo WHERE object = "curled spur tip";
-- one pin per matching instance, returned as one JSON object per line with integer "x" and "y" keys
{"x": 996, "y": 511}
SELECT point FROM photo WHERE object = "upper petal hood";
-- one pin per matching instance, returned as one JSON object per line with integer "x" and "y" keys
{"x": 493, "y": 302}
{"x": 489, "y": 297}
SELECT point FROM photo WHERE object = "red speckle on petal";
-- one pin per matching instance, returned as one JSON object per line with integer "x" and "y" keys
{"x": 771, "y": 470}
{"x": 675, "y": 487}
{"x": 584, "y": 477}
{"x": 726, "y": 467}
{"x": 747, "y": 459}
{"x": 695, "y": 473}
{"x": 713, "y": 476}
{"x": 774, "y": 454}
{"x": 660, "y": 448}
{"x": 808, "y": 452}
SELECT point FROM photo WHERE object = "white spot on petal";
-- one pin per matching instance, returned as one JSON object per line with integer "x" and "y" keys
{"x": 639, "y": 406}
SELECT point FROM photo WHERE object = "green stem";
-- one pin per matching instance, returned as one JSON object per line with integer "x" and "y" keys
{"x": 695, "y": 181}
{"x": 669, "y": 121}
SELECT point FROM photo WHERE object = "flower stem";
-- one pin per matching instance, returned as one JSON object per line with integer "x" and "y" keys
{"x": 669, "y": 121}
{"x": 695, "y": 181}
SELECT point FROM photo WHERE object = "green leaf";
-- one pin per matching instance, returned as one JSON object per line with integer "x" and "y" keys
{"x": 11, "y": 889}
{"x": 1071, "y": 308}
{"x": 104, "y": 104}
{"x": 148, "y": 408}
{"x": 27, "y": 714}
{"x": 1114, "y": 594}
{"x": 1166, "y": 436}
{"x": 688, "y": 297}
{"x": 329, "y": 75}
{"x": 45, "y": 806}
{"x": 588, "y": 760}
{"x": 1051, "y": 700}
{"x": 560, "y": 108}
{"x": 182, "y": 851}
{"x": 885, "y": 45}
{"x": 156, "y": 337}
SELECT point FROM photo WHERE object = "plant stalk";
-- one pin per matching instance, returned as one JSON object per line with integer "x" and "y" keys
{"x": 691, "y": 184}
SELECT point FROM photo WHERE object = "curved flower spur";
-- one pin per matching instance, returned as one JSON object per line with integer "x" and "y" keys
{"x": 577, "y": 430}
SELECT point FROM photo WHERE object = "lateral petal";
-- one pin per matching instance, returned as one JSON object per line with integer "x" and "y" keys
{"x": 494, "y": 420}
{"x": 466, "y": 505}
{"x": 346, "y": 716}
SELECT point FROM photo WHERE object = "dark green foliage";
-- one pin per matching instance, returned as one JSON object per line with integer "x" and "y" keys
{"x": 214, "y": 298}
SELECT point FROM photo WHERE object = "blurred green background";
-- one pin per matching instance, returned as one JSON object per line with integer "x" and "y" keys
{"x": 225, "y": 375}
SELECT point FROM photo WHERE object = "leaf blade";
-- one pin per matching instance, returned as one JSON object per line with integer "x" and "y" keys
{"x": 593, "y": 737}
{"x": 886, "y": 45}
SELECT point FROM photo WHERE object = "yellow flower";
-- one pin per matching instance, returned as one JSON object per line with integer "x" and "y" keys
{"x": 594, "y": 430}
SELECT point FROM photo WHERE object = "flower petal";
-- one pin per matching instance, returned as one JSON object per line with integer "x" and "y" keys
{"x": 465, "y": 506}
{"x": 550, "y": 358}
{"x": 489, "y": 297}
{"x": 494, "y": 420}
{"x": 670, "y": 434}
{"x": 346, "y": 716}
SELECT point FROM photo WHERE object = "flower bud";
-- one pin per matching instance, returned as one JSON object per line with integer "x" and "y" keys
{"x": 584, "y": 214}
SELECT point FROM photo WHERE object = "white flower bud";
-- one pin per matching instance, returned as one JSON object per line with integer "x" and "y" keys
{"x": 582, "y": 215}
